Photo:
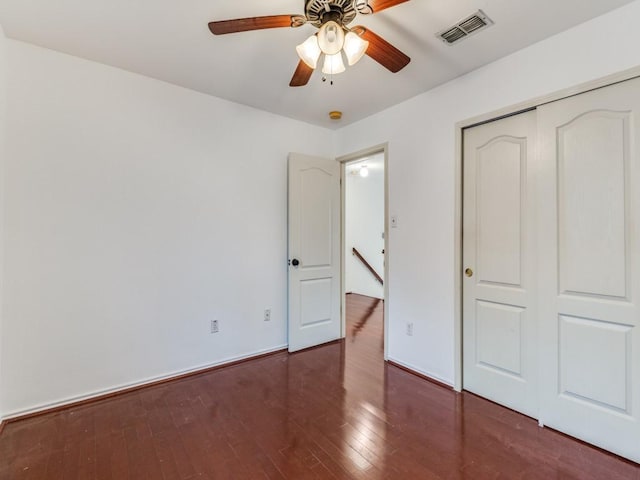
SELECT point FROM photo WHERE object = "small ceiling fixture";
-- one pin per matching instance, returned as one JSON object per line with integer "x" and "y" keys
{"x": 335, "y": 115}
{"x": 335, "y": 39}
{"x": 359, "y": 168}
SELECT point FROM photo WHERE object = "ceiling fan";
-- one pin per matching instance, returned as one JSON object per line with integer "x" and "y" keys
{"x": 333, "y": 39}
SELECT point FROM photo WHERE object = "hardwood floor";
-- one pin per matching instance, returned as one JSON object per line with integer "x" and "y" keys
{"x": 335, "y": 411}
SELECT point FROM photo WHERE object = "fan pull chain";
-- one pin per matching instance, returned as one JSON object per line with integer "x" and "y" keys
{"x": 331, "y": 76}
{"x": 324, "y": 78}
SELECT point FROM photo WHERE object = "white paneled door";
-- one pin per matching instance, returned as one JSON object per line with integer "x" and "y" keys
{"x": 314, "y": 251}
{"x": 499, "y": 329}
{"x": 589, "y": 242}
{"x": 551, "y": 241}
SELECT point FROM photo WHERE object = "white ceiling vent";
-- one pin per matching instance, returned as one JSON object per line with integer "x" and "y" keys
{"x": 464, "y": 28}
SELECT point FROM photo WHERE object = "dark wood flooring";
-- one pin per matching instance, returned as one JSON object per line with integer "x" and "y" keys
{"x": 336, "y": 411}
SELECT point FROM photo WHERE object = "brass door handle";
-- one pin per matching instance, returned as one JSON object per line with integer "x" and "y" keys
{"x": 468, "y": 272}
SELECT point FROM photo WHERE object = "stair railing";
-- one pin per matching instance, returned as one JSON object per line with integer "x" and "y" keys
{"x": 368, "y": 266}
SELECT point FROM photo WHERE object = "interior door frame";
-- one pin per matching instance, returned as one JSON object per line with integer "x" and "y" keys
{"x": 478, "y": 120}
{"x": 384, "y": 149}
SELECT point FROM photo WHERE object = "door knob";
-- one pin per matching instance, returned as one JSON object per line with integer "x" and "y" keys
{"x": 295, "y": 262}
{"x": 468, "y": 272}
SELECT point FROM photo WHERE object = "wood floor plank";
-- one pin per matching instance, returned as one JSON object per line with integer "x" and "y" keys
{"x": 333, "y": 412}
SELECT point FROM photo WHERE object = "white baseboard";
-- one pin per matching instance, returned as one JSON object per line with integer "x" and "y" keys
{"x": 366, "y": 295}
{"x": 141, "y": 383}
{"x": 425, "y": 373}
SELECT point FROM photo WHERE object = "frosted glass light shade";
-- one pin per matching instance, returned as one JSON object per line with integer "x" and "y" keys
{"x": 309, "y": 51}
{"x": 331, "y": 38}
{"x": 364, "y": 171}
{"x": 333, "y": 64}
{"x": 354, "y": 48}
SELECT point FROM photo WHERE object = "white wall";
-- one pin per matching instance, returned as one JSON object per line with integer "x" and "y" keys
{"x": 3, "y": 75}
{"x": 364, "y": 226}
{"x": 421, "y": 168}
{"x": 136, "y": 212}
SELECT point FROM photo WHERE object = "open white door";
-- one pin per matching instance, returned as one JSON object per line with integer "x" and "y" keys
{"x": 314, "y": 251}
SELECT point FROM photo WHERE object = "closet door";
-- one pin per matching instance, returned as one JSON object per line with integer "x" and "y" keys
{"x": 499, "y": 320}
{"x": 589, "y": 250}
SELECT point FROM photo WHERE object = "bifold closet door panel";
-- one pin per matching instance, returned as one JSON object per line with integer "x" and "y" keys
{"x": 589, "y": 266}
{"x": 499, "y": 319}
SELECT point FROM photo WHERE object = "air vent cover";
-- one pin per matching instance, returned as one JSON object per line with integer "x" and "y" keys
{"x": 461, "y": 30}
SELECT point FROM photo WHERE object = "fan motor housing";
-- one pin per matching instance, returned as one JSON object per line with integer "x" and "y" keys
{"x": 342, "y": 11}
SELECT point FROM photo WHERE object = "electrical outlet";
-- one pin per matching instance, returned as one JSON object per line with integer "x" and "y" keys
{"x": 215, "y": 328}
{"x": 267, "y": 315}
{"x": 410, "y": 329}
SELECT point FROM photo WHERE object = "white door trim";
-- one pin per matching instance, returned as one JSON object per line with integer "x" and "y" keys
{"x": 487, "y": 117}
{"x": 383, "y": 148}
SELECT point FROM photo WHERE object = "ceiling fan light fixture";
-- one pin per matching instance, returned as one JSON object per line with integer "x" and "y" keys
{"x": 334, "y": 40}
{"x": 309, "y": 51}
{"x": 354, "y": 48}
{"x": 333, "y": 64}
{"x": 331, "y": 38}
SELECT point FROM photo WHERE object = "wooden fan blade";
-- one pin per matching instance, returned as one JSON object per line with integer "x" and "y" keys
{"x": 379, "y": 5}
{"x": 302, "y": 75}
{"x": 382, "y": 51}
{"x": 253, "y": 23}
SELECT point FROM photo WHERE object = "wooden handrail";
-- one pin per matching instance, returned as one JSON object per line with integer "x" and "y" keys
{"x": 366, "y": 264}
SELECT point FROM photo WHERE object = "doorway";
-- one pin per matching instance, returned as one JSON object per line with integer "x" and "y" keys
{"x": 364, "y": 242}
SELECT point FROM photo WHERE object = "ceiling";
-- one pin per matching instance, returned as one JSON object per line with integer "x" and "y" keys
{"x": 169, "y": 40}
